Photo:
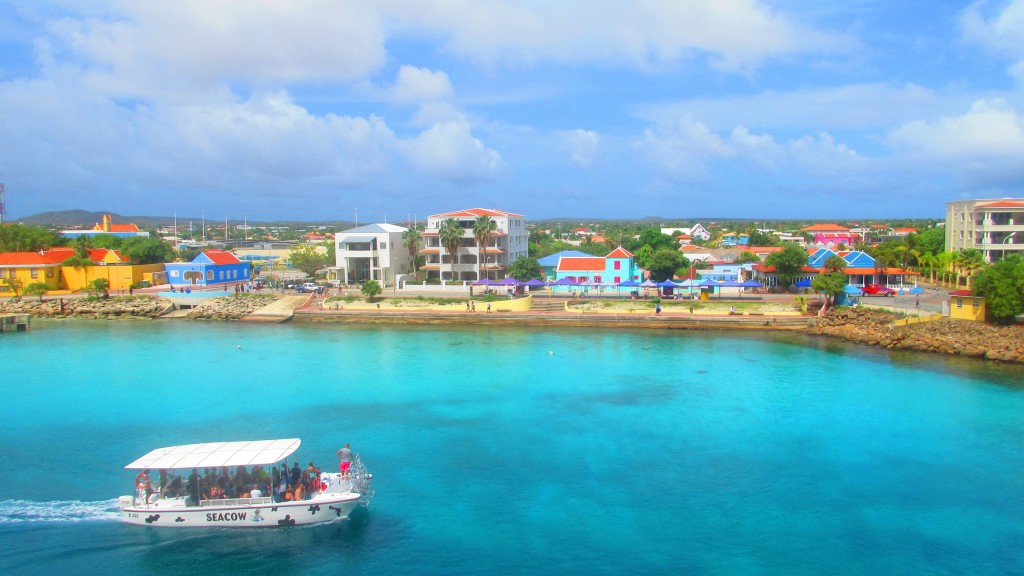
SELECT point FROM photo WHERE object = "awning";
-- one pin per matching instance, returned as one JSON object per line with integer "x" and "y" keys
{"x": 217, "y": 454}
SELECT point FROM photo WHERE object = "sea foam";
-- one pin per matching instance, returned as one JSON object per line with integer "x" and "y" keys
{"x": 57, "y": 511}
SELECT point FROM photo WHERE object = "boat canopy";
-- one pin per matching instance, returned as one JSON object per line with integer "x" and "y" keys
{"x": 217, "y": 454}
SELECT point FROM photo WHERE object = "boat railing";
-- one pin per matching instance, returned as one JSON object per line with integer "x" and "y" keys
{"x": 236, "y": 501}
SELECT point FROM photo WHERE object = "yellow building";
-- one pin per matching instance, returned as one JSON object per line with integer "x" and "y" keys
{"x": 29, "y": 268}
{"x": 47, "y": 267}
{"x": 964, "y": 306}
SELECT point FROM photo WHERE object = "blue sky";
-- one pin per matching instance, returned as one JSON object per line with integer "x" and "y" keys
{"x": 314, "y": 109}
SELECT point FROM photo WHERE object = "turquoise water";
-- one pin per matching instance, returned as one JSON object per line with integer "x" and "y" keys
{"x": 522, "y": 451}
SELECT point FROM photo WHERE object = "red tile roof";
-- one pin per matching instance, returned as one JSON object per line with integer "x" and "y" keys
{"x": 580, "y": 264}
{"x": 825, "y": 228}
{"x": 620, "y": 252}
{"x": 908, "y": 230}
{"x": 474, "y": 212}
{"x": 32, "y": 258}
{"x": 221, "y": 257}
{"x": 960, "y": 293}
{"x": 1003, "y": 204}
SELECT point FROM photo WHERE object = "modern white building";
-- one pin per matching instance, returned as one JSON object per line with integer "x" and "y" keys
{"x": 371, "y": 252}
{"x": 508, "y": 243}
{"x": 695, "y": 231}
{"x": 996, "y": 227}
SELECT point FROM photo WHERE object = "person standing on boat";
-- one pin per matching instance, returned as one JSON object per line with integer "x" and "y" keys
{"x": 345, "y": 454}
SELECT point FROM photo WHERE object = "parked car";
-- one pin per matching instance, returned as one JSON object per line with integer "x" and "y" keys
{"x": 878, "y": 290}
{"x": 307, "y": 287}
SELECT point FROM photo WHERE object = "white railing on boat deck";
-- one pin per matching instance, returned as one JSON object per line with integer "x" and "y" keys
{"x": 236, "y": 501}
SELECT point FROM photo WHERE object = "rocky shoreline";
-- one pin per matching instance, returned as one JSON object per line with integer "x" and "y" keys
{"x": 142, "y": 307}
{"x": 231, "y": 307}
{"x": 945, "y": 336}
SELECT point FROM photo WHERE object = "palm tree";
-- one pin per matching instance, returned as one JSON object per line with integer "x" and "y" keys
{"x": 450, "y": 235}
{"x": 483, "y": 227}
{"x": 834, "y": 264}
{"x": 411, "y": 240}
{"x": 971, "y": 260}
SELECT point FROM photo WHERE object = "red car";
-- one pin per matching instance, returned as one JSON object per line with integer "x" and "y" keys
{"x": 878, "y": 290}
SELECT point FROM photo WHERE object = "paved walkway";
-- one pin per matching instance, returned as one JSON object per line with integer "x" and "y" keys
{"x": 279, "y": 310}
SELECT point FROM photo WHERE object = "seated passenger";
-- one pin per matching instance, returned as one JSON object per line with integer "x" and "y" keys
{"x": 300, "y": 493}
{"x": 256, "y": 492}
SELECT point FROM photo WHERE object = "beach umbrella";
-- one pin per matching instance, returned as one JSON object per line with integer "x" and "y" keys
{"x": 628, "y": 284}
{"x": 751, "y": 284}
{"x": 510, "y": 281}
{"x": 668, "y": 284}
{"x": 917, "y": 290}
{"x": 485, "y": 282}
{"x": 567, "y": 281}
{"x": 534, "y": 283}
{"x": 649, "y": 284}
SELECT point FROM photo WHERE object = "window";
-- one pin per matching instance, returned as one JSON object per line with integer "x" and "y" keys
{"x": 35, "y": 273}
{"x": 174, "y": 273}
{"x": 49, "y": 272}
{"x": 618, "y": 265}
{"x": 209, "y": 275}
{"x": 2, "y": 271}
{"x": 976, "y": 302}
{"x": 959, "y": 303}
{"x": 618, "y": 279}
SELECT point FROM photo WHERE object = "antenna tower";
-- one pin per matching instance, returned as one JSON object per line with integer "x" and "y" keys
{"x": 3, "y": 203}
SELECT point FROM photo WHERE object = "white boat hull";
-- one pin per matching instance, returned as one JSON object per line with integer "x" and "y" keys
{"x": 322, "y": 508}
{"x": 332, "y": 505}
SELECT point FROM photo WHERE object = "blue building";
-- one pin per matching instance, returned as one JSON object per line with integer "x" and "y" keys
{"x": 210, "y": 268}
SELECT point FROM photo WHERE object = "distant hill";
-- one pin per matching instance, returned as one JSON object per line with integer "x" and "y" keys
{"x": 68, "y": 218}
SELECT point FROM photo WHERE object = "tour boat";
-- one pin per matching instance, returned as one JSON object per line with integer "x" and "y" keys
{"x": 153, "y": 504}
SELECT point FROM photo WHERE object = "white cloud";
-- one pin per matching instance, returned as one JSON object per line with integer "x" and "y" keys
{"x": 448, "y": 150}
{"x": 415, "y": 85}
{"x": 688, "y": 151}
{"x": 990, "y": 130}
{"x": 150, "y": 49}
{"x": 581, "y": 145}
{"x": 646, "y": 33}
{"x": 855, "y": 106}
{"x": 1002, "y": 32}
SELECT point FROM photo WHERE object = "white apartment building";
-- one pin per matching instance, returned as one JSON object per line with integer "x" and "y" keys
{"x": 507, "y": 244}
{"x": 996, "y": 227}
{"x": 371, "y": 252}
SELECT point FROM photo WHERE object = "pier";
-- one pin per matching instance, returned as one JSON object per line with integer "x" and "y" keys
{"x": 14, "y": 322}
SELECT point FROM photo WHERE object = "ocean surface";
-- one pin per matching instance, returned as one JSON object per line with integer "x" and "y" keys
{"x": 521, "y": 451}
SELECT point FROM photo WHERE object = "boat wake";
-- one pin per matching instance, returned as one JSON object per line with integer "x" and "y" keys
{"x": 57, "y": 511}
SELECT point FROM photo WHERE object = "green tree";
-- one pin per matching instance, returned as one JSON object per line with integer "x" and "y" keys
{"x": 36, "y": 289}
{"x": 370, "y": 289}
{"x": 831, "y": 285}
{"x": 450, "y": 236}
{"x": 834, "y": 264}
{"x": 14, "y": 285}
{"x": 97, "y": 288}
{"x": 1001, "y": 284}
{"x": 483, "y": 227}
{"x": 788, "y": 263}
{"x": 188, "y": 254}
{"x": 664, "y": 263}
{"x": 307, "y": 258}
{"x": 525, "y": 268}
{"x": 655, "y": 239}
{"x": 762, "y": 239}
{"x": 932, "y": 240}
{"x": 25, "y": 238}
{"x": 642, "y": 257}
{"x": 411, "y": 240}
{"x": 147, "y": 250}
{"x": 746, "y": 257}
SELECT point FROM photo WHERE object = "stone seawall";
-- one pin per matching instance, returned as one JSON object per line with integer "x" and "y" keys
{"x": 113, "y": 307}
{"x": 231, "y": 307}
{"x": 954, "y": 337}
